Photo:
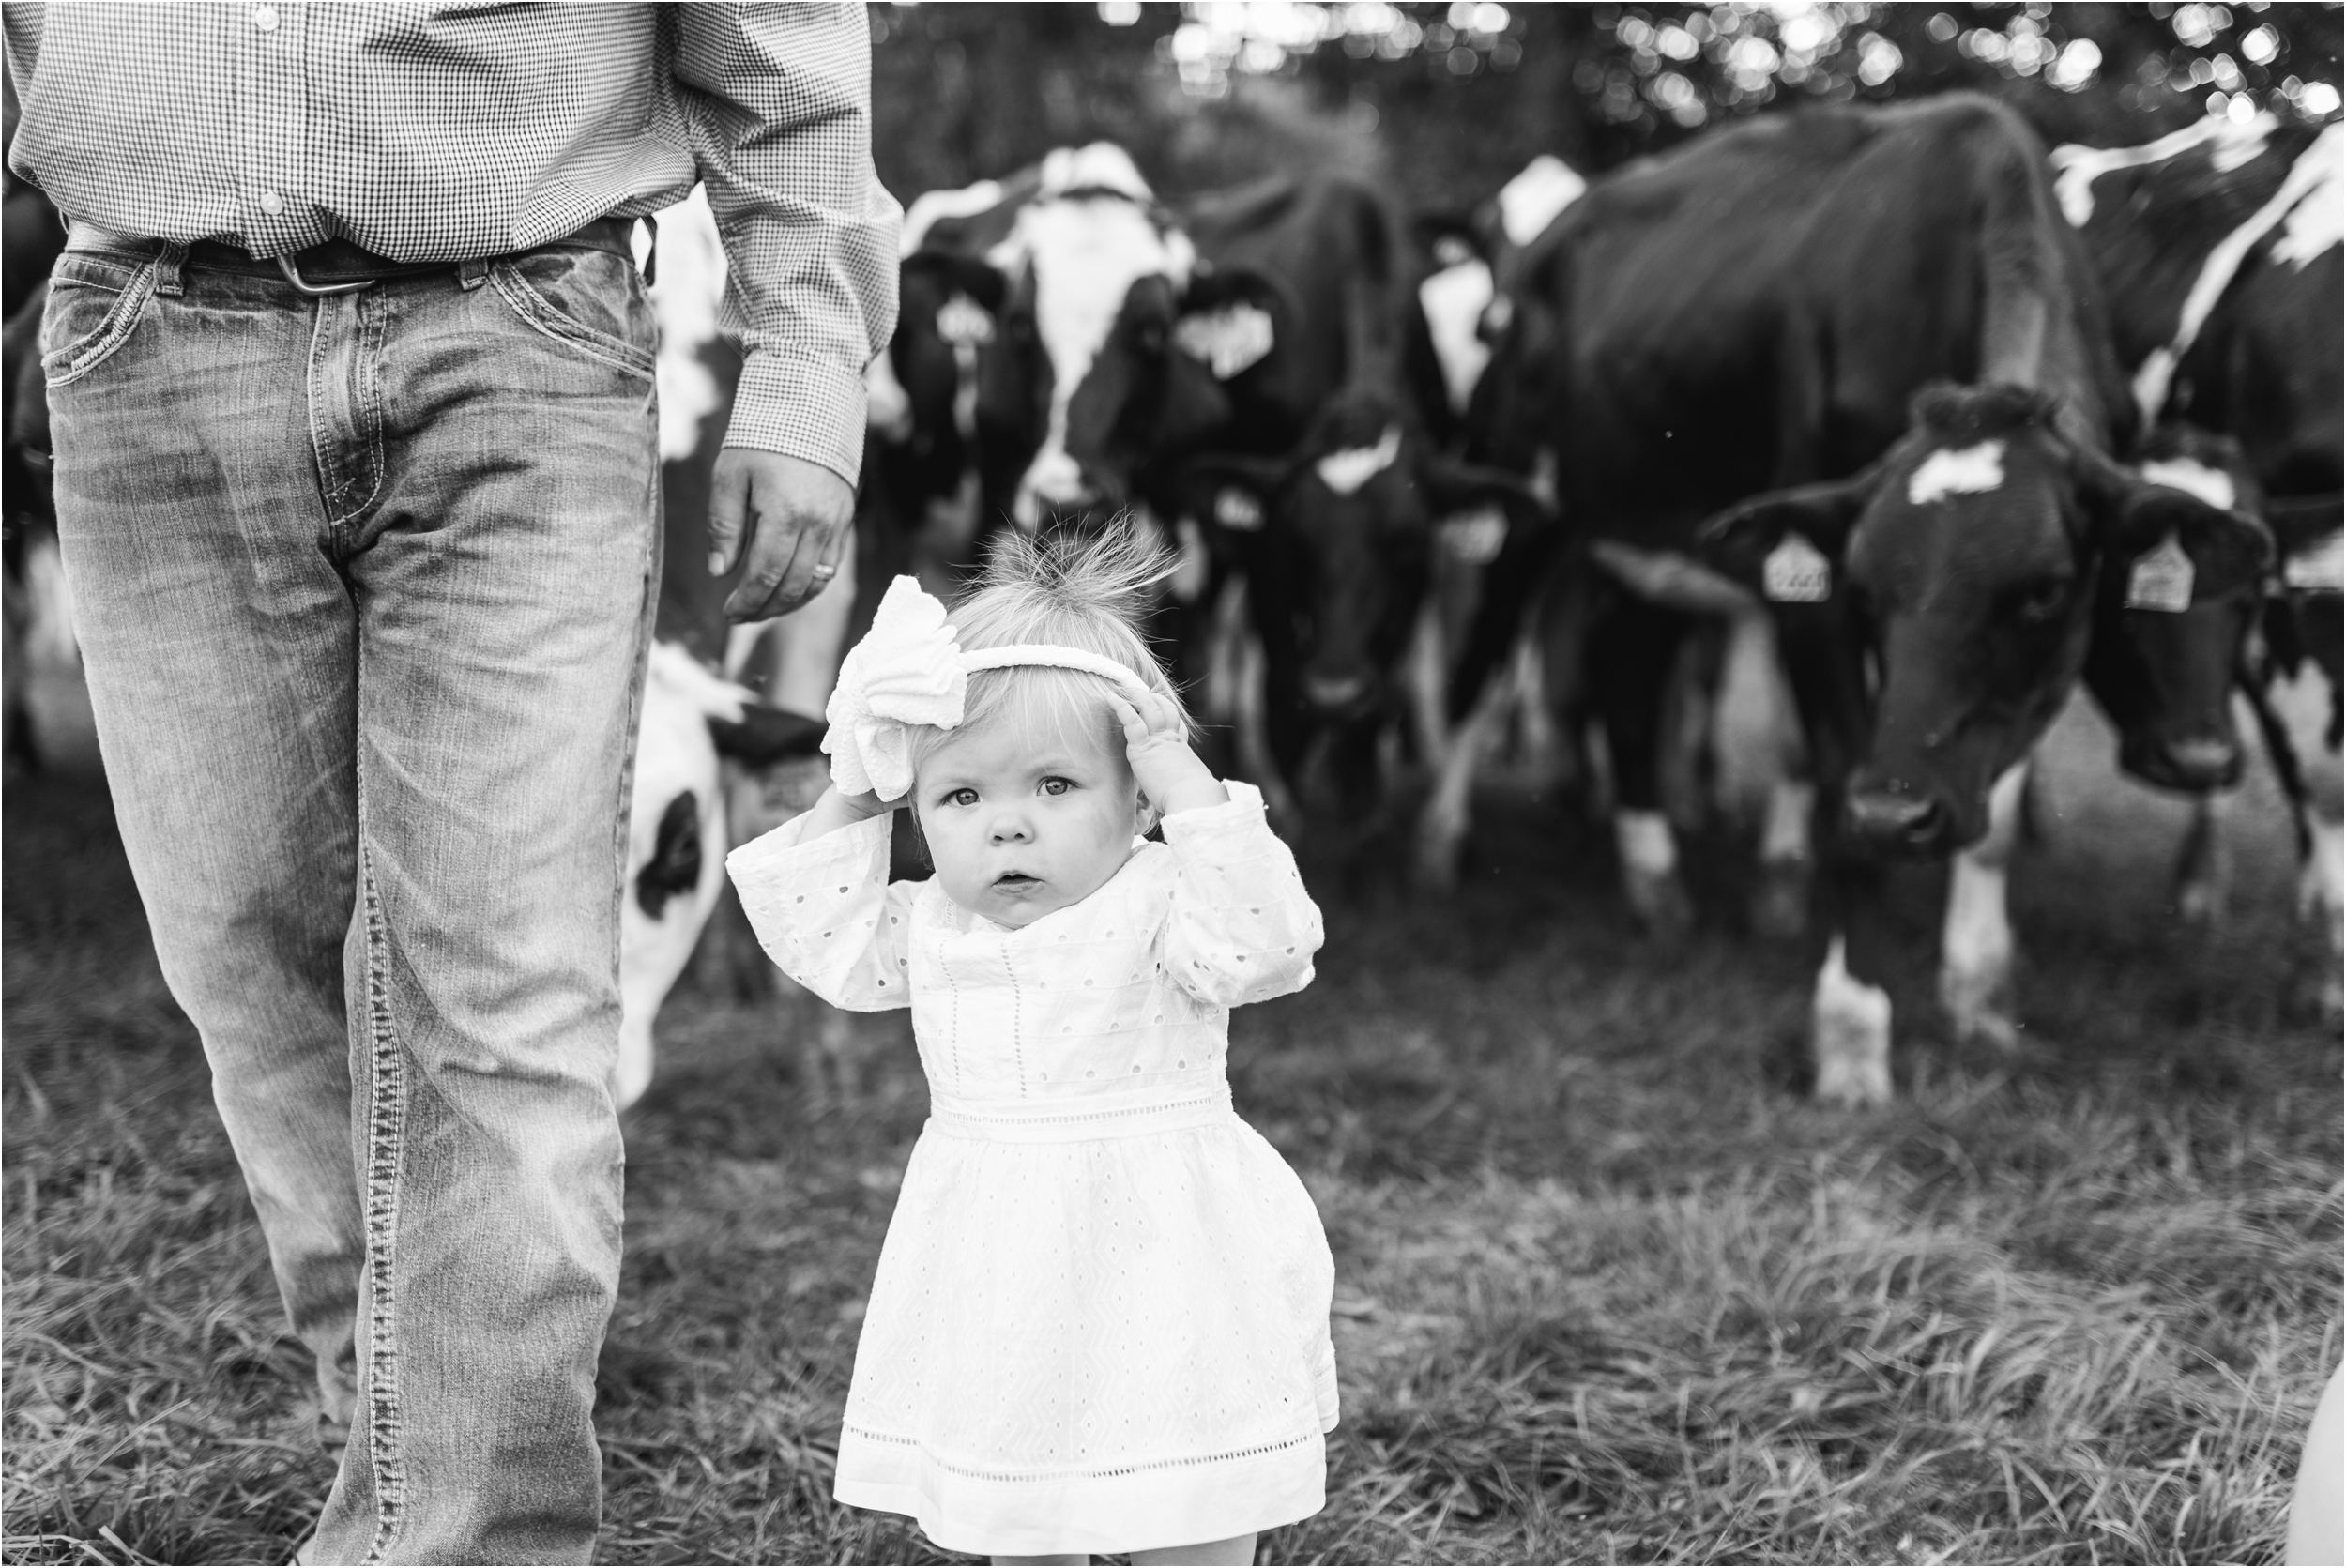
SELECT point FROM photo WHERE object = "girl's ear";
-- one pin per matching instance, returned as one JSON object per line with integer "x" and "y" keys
{"x": 1144, "y": 814}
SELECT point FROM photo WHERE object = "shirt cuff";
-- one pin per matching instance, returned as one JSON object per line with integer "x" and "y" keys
{"x": 773, "y": 862}
{"x": 800, "y": 407}
{"x": 1239, "y": 817}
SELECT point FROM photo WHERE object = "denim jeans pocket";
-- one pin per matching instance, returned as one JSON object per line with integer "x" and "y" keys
{"x": 94, "y": 302}
{"x": 591, "y": 300}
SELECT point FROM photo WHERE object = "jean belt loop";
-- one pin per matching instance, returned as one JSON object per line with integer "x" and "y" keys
{"x": 168, "y": 281}
{"x": 472, "y": 272}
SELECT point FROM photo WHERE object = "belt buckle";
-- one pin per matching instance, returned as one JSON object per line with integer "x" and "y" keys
{"x": 320, "y": 291}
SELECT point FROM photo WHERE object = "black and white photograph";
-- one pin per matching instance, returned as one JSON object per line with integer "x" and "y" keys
{"x": 1226, "y": 782}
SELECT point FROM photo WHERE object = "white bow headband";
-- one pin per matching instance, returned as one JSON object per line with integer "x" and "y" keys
{"x": 910, "y": 670}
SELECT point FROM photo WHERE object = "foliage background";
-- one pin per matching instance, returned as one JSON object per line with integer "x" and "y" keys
{"x": 1444, "y": 103}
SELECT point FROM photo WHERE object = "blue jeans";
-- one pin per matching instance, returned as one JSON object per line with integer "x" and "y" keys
{"x": 364, "y": 587}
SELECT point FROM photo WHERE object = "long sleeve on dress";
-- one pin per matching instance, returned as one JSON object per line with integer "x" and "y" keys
{"x": 826, "y": 913}
{"x": 1242, "y": 928}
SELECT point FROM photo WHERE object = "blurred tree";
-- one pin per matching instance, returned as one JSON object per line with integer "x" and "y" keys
{"x": 1443, "y": 102}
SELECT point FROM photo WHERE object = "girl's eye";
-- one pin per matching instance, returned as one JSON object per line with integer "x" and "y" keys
{"x": 962, "y": 798}
{"x": 1056, "y": 786}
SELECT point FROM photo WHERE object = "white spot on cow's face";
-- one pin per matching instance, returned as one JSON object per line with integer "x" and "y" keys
{"x": 1454, "y": 300}
{"x": 1529, "y": 203}
{"x": 2320, "y": 566}
{"x": 2193, "y": 477}
{"x": 1956, "y": 470}
{"x": 689, "y": 287}
{"x": 1345, "y": 471}
{"x": 1084, "y": 256}
{"x": 1101, "y": 166}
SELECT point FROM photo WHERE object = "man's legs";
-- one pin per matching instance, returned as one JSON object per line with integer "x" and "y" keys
{"x": 500, "y": 536}
{"x": 219, "y": 644}
{"x": 479, "y": 477}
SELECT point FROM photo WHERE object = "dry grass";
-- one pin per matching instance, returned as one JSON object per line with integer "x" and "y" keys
{"x": 1608, "y": 1288}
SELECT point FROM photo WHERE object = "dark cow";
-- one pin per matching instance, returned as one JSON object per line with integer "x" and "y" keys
{"x": 2220, "y": 248}
{"x": 1765, "y": 308}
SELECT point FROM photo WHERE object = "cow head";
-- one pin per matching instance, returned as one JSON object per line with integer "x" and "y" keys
{"x": 945, "y": 327}
{"x": 2165, "y": 644}
{"x": 1336, "y": 541}
{"x": 1121, "y": 344}
{"x": 1964, "y": 567}
{"x": 677, "y": 827}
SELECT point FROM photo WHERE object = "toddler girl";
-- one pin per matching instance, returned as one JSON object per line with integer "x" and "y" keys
{"x": 1100, "y": 1322}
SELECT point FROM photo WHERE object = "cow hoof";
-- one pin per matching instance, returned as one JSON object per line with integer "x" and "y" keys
{"x": 1434, "y": 869}
{"x": 1978, "y": 1004}
{"x": 1848, "y": 1025}
{"x": 1779, "y": 901}
{"x": 1660, "y": 903}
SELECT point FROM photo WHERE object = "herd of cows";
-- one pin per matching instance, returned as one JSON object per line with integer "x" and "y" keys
{"x": 1868, "y": 433}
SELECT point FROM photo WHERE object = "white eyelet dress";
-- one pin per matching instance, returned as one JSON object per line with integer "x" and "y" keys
{"x": 1100, "y": 1322}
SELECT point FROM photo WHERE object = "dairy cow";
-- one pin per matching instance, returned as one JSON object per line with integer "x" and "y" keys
{"x": 1890, "y": 296}
{"x": 2220, "y": 247}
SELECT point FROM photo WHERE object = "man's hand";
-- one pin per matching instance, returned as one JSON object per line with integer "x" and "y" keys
{"x": 796, "y": 519}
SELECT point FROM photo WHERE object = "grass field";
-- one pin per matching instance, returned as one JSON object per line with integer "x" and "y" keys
{"x": 1608, "y": 1288}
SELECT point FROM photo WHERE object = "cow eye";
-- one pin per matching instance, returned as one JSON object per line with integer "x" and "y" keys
{"x": 2042, "y": 602}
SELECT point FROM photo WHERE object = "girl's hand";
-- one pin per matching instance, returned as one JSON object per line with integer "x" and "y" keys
{"x": 836, "y": 810}
{"x": 1168, "y": 773}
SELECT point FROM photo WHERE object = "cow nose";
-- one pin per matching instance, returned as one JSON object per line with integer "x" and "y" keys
{"x": 2201, "y": 762}
{"x": 1334, "y": 691}
{"x": 1059, "y": 479}
{"x": 1892, "y": 819}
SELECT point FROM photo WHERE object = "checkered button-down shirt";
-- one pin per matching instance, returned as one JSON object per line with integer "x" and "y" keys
{"x": 432, "y": 133}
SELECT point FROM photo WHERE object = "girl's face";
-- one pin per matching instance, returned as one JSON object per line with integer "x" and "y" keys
{"x": 1024, "y": 817}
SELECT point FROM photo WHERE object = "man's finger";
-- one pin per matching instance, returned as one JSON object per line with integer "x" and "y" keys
{"x": 762, "y": 593}
{"x": 728, "y": 509}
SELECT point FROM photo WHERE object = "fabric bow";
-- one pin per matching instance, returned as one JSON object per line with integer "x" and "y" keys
{"x": 908, "y": 670}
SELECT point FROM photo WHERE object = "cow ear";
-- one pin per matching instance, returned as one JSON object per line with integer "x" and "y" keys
{"x": 1454, "y": 485}
{"x": 1787, "y": 545}
{"x": 2303, "y": 523}
{"x": 1233, "y": 492}
{"x": 2178, "y": 549}
{"x": 971, "y": 275}
{"x": 767, "y": 735}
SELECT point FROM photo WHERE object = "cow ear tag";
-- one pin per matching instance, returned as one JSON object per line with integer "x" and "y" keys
{"x": 1228, "y": 340}
{"x": 1237, "y": 509}
{"x": 2321, "y": 568}
{"x": 962, "y": 320}
{"x": 2161, "y": 579}
{"x": 1796, "y": 572}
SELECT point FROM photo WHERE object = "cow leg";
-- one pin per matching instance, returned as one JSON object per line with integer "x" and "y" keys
{"x": 1424, "y": 679}
{"x": 1848, "y": 1032}
{"x": 1975, "y": 950}
{"x": 2203, "y": 870}
{"x": 1629, "y": 668}
{"x": 1442, "y": 826}
{"x": 2320, "y": 900}
{"x": 1779, "y": 895}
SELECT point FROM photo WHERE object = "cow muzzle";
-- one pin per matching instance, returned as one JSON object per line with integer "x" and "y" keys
{"x": 2190, "y": 764}
{"x": 1338, "y": 693}
{"x": 1897, "y": 821}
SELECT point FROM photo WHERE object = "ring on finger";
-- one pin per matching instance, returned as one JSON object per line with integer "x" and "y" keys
{"x": 825, "y": 571}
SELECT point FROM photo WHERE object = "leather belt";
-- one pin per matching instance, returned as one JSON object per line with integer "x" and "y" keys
{"x": 342, "y": 265}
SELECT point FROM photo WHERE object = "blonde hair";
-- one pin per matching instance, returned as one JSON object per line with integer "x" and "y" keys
{"x": 1088, "y": 591}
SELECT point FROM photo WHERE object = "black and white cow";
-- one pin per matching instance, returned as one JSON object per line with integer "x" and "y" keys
{"x": 2220, "y": 247}
{"x": 1765, "y": 308}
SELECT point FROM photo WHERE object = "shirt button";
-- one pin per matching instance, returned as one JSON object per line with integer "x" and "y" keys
{"x": 272, "y": 203}
{"x": 264, "y": 18}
